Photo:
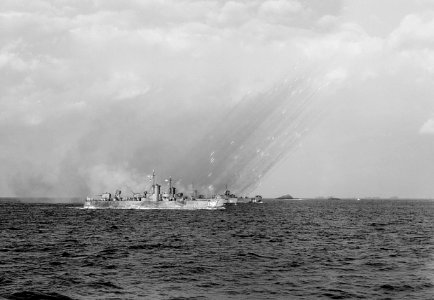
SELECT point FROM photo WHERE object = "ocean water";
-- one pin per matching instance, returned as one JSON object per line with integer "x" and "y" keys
{"x": 313, "y": 249}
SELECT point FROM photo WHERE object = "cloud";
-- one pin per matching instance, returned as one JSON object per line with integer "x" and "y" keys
{"x": 413, "y": 43}
{"x": 115, "y": 87}
{"x": 336, "y": 75}
{"x": 427, "y": 127}
{"x": 415, "y": 31}
{"x": 279, "y": 8}
{"x": 234, "y": 13}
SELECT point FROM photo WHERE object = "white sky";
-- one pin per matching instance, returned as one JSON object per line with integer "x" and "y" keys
{"x": 95, "y": 94}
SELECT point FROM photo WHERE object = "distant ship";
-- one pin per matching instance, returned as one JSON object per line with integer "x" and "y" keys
{"x": 157, "y": 200}
{"x": 256, "y": 199}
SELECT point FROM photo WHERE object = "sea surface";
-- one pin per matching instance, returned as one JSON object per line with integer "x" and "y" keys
{"x": 312, "y": 249}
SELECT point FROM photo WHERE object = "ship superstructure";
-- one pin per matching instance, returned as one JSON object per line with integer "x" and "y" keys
{"x": 155, "y": 199}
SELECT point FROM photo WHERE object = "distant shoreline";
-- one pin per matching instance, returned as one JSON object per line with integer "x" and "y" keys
{"x": 352, "y": 199}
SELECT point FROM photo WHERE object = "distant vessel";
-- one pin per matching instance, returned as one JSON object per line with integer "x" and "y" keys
{"x": 256, "y": 199}
{"x": 230, "y": 198}
{"x": 157, "y": 200}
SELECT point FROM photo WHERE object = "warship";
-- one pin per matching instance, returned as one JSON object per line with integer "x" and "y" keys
{"x": 155, "y": 199}
{"x": 256, "y": 199}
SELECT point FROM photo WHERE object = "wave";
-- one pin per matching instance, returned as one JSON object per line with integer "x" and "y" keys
{"x": 32, "y": 295}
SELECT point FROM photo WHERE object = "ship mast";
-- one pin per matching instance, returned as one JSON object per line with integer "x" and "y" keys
{"x": 171, "y": 190}
{"x": 152, "y": 178}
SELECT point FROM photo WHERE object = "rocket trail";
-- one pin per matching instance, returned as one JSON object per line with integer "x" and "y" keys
{"x": 246, "y": 143}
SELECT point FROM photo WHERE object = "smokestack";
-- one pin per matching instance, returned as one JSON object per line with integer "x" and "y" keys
{"x": 156, "y": 192}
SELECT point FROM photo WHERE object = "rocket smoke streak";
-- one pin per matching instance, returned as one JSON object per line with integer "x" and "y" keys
{"x": 258, "y": 132}
{"x": 118, "y": 146}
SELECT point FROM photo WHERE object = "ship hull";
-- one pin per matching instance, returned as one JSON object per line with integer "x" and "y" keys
{"x": 232, "y": 200}
{"x": 149, "y": 204}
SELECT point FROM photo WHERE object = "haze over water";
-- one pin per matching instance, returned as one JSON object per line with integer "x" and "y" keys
{"x": 313, "y": 249}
